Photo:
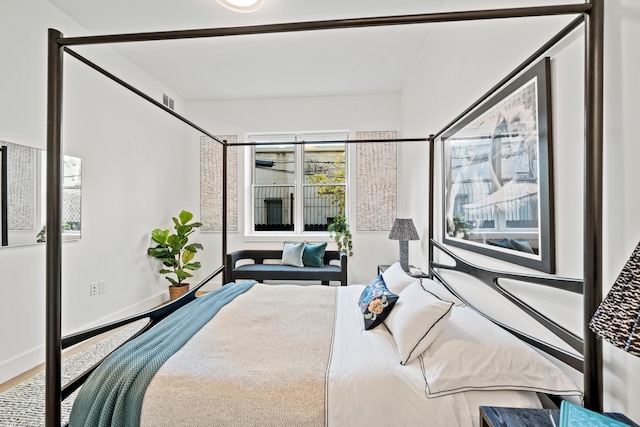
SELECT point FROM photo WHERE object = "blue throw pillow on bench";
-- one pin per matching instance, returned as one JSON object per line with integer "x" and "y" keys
{"x": 313, "y": 254}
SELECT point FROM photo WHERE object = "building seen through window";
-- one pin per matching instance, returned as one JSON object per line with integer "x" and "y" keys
{"x": 299, "y": 181}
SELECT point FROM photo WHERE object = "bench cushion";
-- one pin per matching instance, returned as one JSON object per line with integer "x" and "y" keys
{"x": 286, "y": 272}
{"x": 237, "y": 268}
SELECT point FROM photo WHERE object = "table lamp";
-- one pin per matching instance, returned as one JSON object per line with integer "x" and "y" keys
{"x": 616, "y": 319}
{"x": 404, "y": 230}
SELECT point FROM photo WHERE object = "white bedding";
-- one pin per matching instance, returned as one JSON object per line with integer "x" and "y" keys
{"x": 369, "y": 387}
{"x": 365, "y": 383}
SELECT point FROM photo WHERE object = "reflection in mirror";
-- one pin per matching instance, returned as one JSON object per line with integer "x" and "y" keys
{"x": 23, "y": 184}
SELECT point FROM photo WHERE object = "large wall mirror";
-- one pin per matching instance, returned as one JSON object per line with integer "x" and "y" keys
{"x": 23, "y": 204}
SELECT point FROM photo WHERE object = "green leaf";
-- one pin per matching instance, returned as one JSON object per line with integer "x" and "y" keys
{"x": 193, "y": 247}
{"x": 165, "y": 271}
{"x": 160, "y": 236}
{"x": 192, "y": 266}
{"x": 187, "y": 256}
{"x": 182, "y": 275}
{"x": 185, "y": 217}
{"x": 159, "y": 252}
{"x": 173, "y": 282}
{"x": 177, "y": 242}
{"x": 170, "y": 262}
{"x": 183, "y": 229}
{"x": 196, "y": 224}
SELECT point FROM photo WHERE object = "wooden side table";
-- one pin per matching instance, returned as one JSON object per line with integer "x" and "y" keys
{"x": 495, "y": 416}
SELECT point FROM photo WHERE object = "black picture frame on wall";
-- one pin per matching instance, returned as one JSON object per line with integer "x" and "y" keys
{"x": 497, "y": 174}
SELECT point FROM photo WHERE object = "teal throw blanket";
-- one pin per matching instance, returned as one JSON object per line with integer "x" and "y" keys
{"x": 113, "y": 394}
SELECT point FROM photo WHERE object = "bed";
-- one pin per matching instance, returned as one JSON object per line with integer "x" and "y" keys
{"x": 252, "y": 363}
{"x": 333, "y": 370}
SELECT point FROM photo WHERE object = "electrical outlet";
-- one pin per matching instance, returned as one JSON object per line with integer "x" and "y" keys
{"x": 102, "y": 286}
{"x": 93, "y": 289}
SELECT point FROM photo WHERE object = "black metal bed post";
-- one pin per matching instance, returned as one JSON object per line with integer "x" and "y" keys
{"x": 53, "y": 364}
{"x": 4, "y": 204}
{"x": 593, "y": 118}
{"x": 432, "y": 163}
{"x": 224, "y": 207}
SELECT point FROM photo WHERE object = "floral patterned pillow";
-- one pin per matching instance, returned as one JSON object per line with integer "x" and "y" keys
{"x": 376, "y": 302}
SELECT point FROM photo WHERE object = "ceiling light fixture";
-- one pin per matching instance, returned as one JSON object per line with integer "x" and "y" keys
{"x": 244, "y": 6}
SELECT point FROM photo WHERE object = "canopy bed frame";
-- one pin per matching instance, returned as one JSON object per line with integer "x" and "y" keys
{"x": 590, "y": 14}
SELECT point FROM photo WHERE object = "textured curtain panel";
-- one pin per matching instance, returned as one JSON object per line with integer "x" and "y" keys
{"x": 211, "y": 183}
{"x": 376, "y": 181}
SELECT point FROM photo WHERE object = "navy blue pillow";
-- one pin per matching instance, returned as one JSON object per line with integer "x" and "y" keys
{"x": 376, "y": 302}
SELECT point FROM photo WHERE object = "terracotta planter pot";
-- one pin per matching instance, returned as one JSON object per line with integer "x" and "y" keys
{"x": 177, "y": 291}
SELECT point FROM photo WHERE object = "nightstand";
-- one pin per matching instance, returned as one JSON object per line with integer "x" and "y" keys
{"x": 383, "y": 267}
{"x": 495, "y": 416}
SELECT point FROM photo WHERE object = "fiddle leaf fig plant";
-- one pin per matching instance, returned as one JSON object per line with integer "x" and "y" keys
{"x": 339, "y": 230}
{"x": 174, "y": 250}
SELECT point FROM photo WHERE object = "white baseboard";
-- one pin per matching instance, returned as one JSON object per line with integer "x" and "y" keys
{"x": 22, "y": 363}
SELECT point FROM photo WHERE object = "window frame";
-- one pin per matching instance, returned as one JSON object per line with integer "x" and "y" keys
{"x": 299, "y": 182}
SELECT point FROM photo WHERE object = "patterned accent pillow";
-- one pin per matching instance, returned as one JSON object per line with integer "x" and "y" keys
{"x": 292, "y": 254}
{"x": 376, "y": 302}
{"x": 313, "y": 255}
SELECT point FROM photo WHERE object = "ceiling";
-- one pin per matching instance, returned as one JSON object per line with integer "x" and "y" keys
{"x": 316, "y": 63}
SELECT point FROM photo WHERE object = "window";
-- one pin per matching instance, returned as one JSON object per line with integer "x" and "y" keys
{"x": 299, "y": 181}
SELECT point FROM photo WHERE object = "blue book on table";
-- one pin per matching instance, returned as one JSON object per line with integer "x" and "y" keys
{"x": 572, "y": 415}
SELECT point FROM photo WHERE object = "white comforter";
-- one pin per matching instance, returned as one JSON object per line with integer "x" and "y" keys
{"x": 369, "y": 387}
{"x": 365, "y": 383}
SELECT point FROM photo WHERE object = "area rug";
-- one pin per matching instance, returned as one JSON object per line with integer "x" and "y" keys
{"x": 23, "y": 405}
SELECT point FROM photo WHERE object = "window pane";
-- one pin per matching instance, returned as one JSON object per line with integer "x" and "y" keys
{"x": 274, "y": 164}
{"x": 273, "y": 208}
{"x": 322, "y": 203}
{"x": 324, "y": 163}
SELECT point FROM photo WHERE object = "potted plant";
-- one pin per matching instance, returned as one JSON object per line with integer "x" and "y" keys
{"x": 339, "y": 230}
{"x": 461, "y": 226}
{"x": 176, "y": 253}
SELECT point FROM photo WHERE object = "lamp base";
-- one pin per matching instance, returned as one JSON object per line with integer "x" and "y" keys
{"x": 404, "y": 255}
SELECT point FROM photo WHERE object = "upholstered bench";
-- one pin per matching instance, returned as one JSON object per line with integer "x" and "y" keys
{"x": 258, "y": 270}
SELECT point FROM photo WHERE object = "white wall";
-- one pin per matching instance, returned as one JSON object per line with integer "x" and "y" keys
{"x": 353, "y": 113}
{"x": 126, "y": 147}
{"x": 129, "y": 151}
{"x": 427, "y": 107}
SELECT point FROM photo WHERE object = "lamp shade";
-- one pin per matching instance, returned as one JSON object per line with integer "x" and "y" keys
{"x": 616, "y": 319}
{"x": 403, "y": 229}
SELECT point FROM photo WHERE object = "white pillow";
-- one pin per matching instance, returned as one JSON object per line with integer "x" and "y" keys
{"x": 416, "y": 320}
{"x": 292, "y": 254}
{"x": 439, "y": 290}
{"x": 397, "y": 279}
{"x": 472, "y": 353}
